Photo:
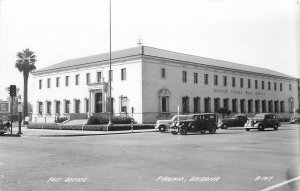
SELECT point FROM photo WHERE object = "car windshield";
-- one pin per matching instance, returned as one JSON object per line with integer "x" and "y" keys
{"x": 259, "y": 117}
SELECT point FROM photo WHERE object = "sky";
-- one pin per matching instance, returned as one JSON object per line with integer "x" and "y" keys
{"x": 260, "y": 33}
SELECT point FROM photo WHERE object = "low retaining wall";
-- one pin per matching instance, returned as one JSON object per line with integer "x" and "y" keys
{"x": 117, "y": 127}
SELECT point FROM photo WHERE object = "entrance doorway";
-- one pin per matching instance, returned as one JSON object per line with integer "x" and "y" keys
{"x": 98, "y": 103}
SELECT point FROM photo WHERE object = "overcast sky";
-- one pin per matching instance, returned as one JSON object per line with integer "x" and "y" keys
{"x": 253, "y": 32}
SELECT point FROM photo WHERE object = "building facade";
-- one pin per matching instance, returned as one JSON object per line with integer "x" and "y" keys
{"x": 157, "y": 83}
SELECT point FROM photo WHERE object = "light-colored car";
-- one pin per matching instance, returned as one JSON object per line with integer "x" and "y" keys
{"x": 163, "y": 125}
{"x": 3, "y": 128}
{"x": 295, "y": 120}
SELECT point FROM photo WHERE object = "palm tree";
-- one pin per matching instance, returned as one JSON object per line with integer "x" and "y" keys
{"x": 25, "y": 64}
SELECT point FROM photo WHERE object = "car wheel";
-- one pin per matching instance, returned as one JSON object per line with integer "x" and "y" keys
{"x": 225, "y": 126}
{"x": 174, "y": 132}
{"x": 183, "y": 130}
{"x": 276, "y": 127}
{"x": 212, "y": 130}
{"x": 1, "y": 134}
{"x": 247, "y": 129}
{"x": 192, "y": 127}
{"x": 162, "y": 128}
{"x": 261, "y": 128}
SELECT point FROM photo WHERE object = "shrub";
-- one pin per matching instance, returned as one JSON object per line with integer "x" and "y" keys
{"x": 101, "y": 119}
{"x": 61, "y": 119}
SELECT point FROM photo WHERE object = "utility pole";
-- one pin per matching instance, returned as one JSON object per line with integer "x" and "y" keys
{"x": 109, "y": 73}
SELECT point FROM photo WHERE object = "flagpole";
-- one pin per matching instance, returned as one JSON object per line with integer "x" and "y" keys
{"x": 109, "y": 73}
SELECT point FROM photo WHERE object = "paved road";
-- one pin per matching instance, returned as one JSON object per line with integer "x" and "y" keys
{"x": 232, "y": 159}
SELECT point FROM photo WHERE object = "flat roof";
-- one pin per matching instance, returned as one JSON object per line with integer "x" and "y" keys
{"x": 158, "y": 53}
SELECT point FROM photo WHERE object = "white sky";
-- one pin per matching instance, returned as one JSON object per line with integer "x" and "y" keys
{"x": 253, "y": 32}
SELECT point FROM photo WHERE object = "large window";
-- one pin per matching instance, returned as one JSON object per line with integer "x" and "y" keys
{"x": 290, "y": 87}
{"x": 99, "y": 76}
{"x": 195, "y": 78}
{"x": 242, "y": 104}
{"x": 276, "y": 106}
{"x": 40, "y": 108}
{"x": 250, "y": 106}
{"x": 233, "y": 81}
{"x": 87, "y": 106}
{"x": 123, "y": 104}
{"x": 49, "y": 83}
{"x": 281, "y": 87}
{"x": 269, "y": 85}
{"x": 282, "y": 107}
{"x": 123, "y": 74}
{"x": 196, "y": 104}
{"x": 225, "y": 103}
{"x": 234, "y": 105}
{"x": 205, "y": 78}
{"x": 217, "y": 104}
{"x": 262, "y": 85}
{"x": 241, "y": 82}
{"x": 57, "y": 81}
{"x": 215, "y": 80}
{"x": 184, "y": 76}
{"x": 77, "y": 106}
{"x": 40, "y": 84}
{"x": 275, "y": 86}
{"x": 207, "y": 104}
{"x": 77, "y": 79}
{"x": 224, "y": 81}
{"x": 49, "y": 108}
{"x": 67, "y": 106}
{"x": 57, "y": 109}
{"x": 164, "y": 104}
{"x": 257, "y": 106}
{"x": 264, "y": 106}
{"x": 249, "y": 83}
{"x": 67, "y": 81}
{"x": 185, "y": 104}
{"x": 270, "y": 106}
{"x": 88, "y": 78}
{"x": 163, "y": 73}
{"x": 256, "y": 84}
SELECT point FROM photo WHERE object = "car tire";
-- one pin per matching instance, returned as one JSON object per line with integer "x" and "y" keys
{"x": 225, "y": 126}
{"x": 183, "y": 130}
{"x": 212, "y": 130}
{"x": 1, "y": 134}
{"x": 174, "y": 132}
{"x": 162, "y": 128}
{"x": 192, "y": 127}
{"x": 261, "y": 128}
{"x": 276, "y": 127}
{"x": 247, "y": 129}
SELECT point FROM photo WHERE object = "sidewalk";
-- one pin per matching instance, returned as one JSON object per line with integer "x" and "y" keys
{"x": 64, "y": 133}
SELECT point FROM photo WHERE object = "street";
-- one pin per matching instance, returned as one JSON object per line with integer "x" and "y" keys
{"x": 231, "y": 159}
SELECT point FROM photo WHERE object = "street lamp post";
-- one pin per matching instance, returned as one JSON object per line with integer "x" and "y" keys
{"x": 20, "y": 116}
{"x": 109, "y": 73}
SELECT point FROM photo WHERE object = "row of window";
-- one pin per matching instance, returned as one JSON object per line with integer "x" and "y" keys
{"x": 99, "y": 78}
{"x": 225, "y": 81}
{"x": 256, "y": 106}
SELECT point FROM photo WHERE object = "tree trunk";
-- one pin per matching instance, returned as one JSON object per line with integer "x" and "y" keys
{"x": 25, "y": 103}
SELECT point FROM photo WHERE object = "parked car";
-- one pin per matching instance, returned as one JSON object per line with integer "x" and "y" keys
{"x": 3, "y": 128}
{"x": 262, "y": 121}
{"x": 196, "y": 123}
{"x": 163, "y": 125}
{"x": 294, "y": 120}
{"x": 235, "y": 121}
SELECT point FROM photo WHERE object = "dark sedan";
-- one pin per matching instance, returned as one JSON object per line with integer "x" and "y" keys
{"x": 235, "y": 121}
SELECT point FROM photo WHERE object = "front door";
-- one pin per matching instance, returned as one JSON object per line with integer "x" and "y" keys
{"x": 98, "y": 103}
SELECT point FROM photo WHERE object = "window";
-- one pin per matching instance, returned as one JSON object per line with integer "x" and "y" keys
{"x": 88, "y": 78}
{"x": 281, "y": 87}
{"x": 250, "y": 103}
{"x": 57, "y": 109}
{"x": 57, "y": 81}
{"x": 123, "y": 74}
{"x": 224, "y": 81}
{"x": 207, "y": 104}
{"x": 242, "y": 102}
{"x": 40, "y": 84}
{"x": 275, "y": 86}
{"x": 185, "y": 104}
{"x": 48, "y": 82}
{"x": 290, "y": 87}
{"x": 276, "y": 106}
{"x": 77, "y": 106}
{"x": 99, "y": 77}
{"x": 196, "y": 104}
{"x": 184, "y": 76}
{"x": 111, "y": 75}
{"x": 123, "y": 104}
{"x": 67, "y": 81}
{"x": 195, "y": 78}
{"x": 217, "y": 104}
{"x": 257, "y": 106}
{"x": 225, "y": 103}
{"x": 216, "y": 80}
{"x": 264, "y": 106}
{"x": 205, "y": 78}
{"x": 86, "y": 105}
{"x": 49, "y": 108}
{"x": 270, "y": 106}
{"x": 40, "y": 109}
{"x": 256, "y": 84}
{"x": 269, "y": 85}
{"x": 67, "y": 106}
{"x": 234, "y": 105}
{"x": 241, "y": 82}
{"x": 262, "y": 85}
{"x": 282, "y": 107}
{"x": 163, "y": 73}
{"x": 164, "y": 104}
{"x": 77, "y": 79}
{"x": 233, "y": 81}
{"x": 249, "y": 83}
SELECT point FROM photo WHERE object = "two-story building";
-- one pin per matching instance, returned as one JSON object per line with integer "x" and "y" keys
{"x": 159, "y": 83}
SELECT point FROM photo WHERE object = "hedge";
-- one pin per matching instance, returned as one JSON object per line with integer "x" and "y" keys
{"x": 116, "y": 127}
